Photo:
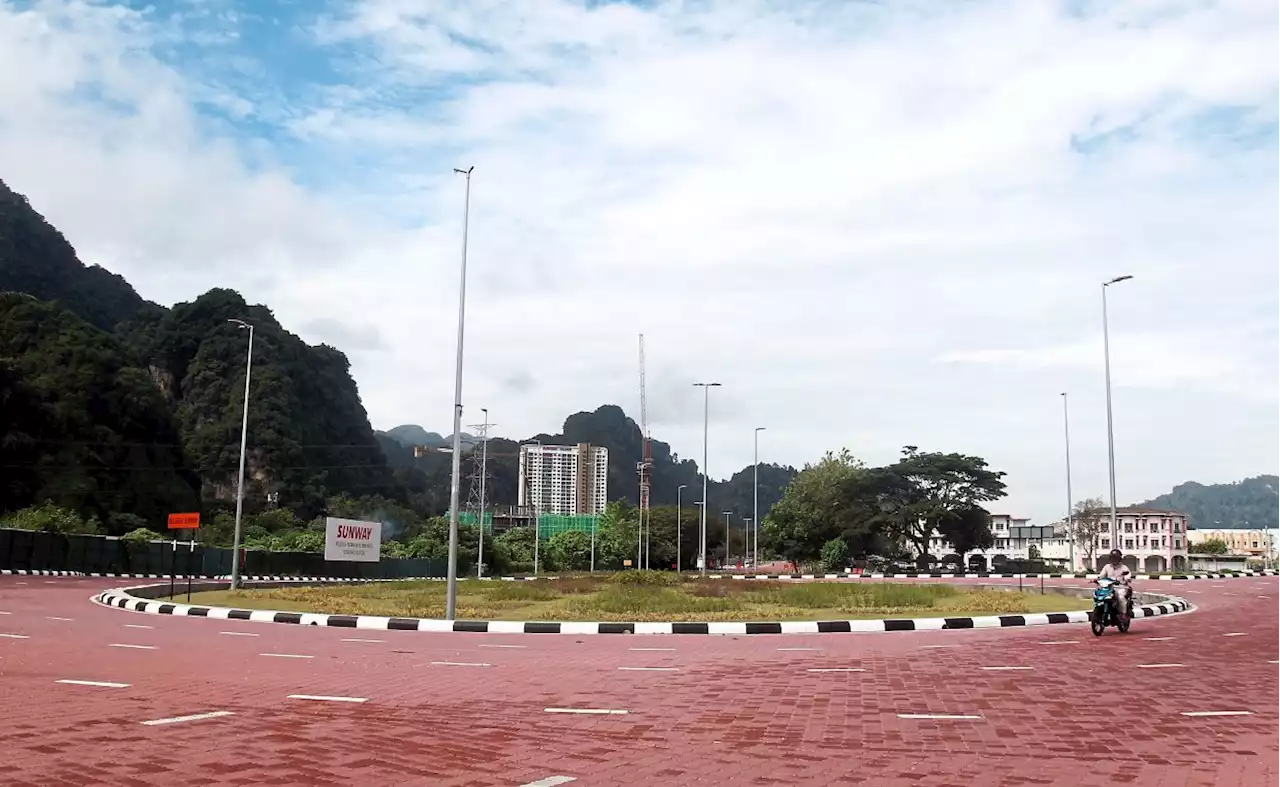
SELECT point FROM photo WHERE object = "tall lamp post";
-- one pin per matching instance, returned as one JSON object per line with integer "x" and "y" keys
{"x": 679, "y": 493}
{"x": 1111, "y": 441}
{"x": 1071, "y": 535}
{"x": 755, "y": 494}
{"x": 451, "y": 590}
{"x": 727, "y": 531}
{"x": 706, "y": 420}
{"x": 484, "y": 472}
{"x": 702, "y": 513}
{"x": 244, "y": 439}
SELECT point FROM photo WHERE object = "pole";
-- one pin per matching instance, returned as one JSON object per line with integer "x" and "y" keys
{"x": 594, "y": 519}
{"x": 755, "y": 495}
{"x": 1111, "y": 443}
{"x": 191, "y": 556}
{"x": 244, "y": 437}
{"x": 537, "y": 525}
{"x": 1071, "y": 535}
{"x": 706, "y": 420}
{"x": 679, "y": 494}
{"x": 173, "y": 566}
{"x": 451, "y": 590}
{"x": 727, "y": 532}
{"x": 484, "y": 471}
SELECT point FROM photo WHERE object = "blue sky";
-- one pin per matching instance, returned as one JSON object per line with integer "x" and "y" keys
{"x": 877, "y": 223}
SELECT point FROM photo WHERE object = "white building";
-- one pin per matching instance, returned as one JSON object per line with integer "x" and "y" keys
{"x": 1015, "y": 539}
{"x": 1257, "y": 544}
{"x": 564, "y": 479}
{"x": 1152, "y": 539}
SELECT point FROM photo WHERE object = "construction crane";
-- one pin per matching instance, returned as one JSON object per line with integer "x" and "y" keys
{"x": 644, "y": 469}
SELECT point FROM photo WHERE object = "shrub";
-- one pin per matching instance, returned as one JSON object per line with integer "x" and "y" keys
{"x": 835, "y": 554}
{"x": 645, "y": 578}
{"x": 143, "y": 535}
{"x": 49, "y": 518}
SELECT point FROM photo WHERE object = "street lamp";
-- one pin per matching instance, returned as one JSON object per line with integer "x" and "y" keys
{"x": 702, "y": 557}
{"x": 706, "y": 412}
{"x": 1071, "y": 536}
{"x": 484, "y": 471}
{"x": 451, "y": 590}
{"x": 244, "y": 437}
{"x": 755, "y": 494}
{"x": 679, "y": 493}
{"x": 746, "y": 548}
{"x": 727, "y": 531}
{"x": 1111, "y": 442}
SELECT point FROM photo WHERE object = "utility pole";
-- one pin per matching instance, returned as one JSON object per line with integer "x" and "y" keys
{"x": 451, "y": 584}
{"x": 706, "y": 420}
{"x": 679, "y": 492}
{"x": 1071, "y": 533}
{"x": 478, "y": 483}
{"x": 244, "y": 438}
{"x": 755, "y": 493}
{"x": 1111, "y": 441}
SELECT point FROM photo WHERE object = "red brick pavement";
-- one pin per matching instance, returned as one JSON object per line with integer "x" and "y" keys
{"x": 737, "y": 710}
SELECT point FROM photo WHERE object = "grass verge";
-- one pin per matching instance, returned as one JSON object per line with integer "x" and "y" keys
{"x": 610, "y": 597}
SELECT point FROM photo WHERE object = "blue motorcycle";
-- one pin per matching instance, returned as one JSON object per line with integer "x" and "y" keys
{"x": 1106, "y": 610}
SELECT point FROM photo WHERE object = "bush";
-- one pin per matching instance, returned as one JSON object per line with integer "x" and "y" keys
{"x": 835, "y": 554}
{"x": 143, "y": 535}
{"x": 642, "y": 577}
{"x": 570, "y": 550}
{"x": 49, "y": 518}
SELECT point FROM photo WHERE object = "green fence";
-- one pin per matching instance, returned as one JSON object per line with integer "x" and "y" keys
{"x": 548, "y": 524}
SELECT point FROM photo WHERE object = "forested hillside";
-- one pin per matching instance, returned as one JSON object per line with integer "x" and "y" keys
{"x": 114, "y": 405}
{"x": 1248, "y": 503}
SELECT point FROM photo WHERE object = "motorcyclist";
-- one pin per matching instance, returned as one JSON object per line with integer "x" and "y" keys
{"x": 1116, "y": 569}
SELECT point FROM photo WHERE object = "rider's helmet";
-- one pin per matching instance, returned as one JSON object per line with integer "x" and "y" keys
{"x": 1116, "y": 556}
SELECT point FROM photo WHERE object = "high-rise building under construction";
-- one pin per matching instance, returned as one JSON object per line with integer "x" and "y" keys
{"x": 564, "y": 479}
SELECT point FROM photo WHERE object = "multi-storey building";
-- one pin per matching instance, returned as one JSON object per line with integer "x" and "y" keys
{"x": 1259, "y": 544}
{"x": 1152, "y": 539}
{"x": 564, "y": 479}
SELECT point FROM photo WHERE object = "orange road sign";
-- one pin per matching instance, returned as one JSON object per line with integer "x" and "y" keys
{"x": 184, "y": 521}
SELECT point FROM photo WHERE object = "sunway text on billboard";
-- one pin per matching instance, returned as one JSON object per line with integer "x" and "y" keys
{"x": 355, "y": 532}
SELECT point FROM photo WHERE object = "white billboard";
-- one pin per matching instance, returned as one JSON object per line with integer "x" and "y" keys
{"x": 351, "y": 539}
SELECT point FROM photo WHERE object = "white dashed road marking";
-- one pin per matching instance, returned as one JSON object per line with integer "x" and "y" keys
{"x": 217, "y": 714}
{"x": 134, "y": 647}
{"x": 1006, "y": 669}
{"x": 646, "y": 650}
{"x": 460, "y": 664}
{"x": 1218, "y": 713}
{"x": 15, "y": 636}
{"x": 100, "y": 683}
{"x": 324, "y": 698}
{"x": 550, "y": 781}
{"x": 237, "y": 634}
{"x": 649, "y": 669}
{"x": 1236, "y": 634}
{"x": 1062, "y": 642}
{"x": 137, "y": 626}
{"x": 1157, "y": 639}
{"x": 1159, "y": 666}
{"x": 53, "y": 617}
{"x": 936, "y": 647}
{"x": 784, "y": 650}
{"x": 364, "y": 640}
{"x": 835, "y": 669}
{"x": 937, "y": 716}
{"x": 587, "y": 711}
{"x": 285, "y": 656}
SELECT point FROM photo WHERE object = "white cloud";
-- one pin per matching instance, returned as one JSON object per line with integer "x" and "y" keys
{"x": 811, "y": 202}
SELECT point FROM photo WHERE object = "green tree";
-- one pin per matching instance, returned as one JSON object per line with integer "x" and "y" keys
{"x": 929, "y": 488}
{"x": 569, "y": 550}
{"x": 50, "y": 518}
{"x": 143, "y": 535}
{"x": 820, "y": 504}
{"x": 835, "y": 555}
{"x": 1213, "y": 546}
{"x": 1090, "y": 518}
{"x": 967, "y": 529}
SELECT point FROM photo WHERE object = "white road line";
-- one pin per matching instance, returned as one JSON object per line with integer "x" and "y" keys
{"x": 15, "y": 636}
{"x": 506, "y": 647}
{"x": 783, "y": 650}
{"x": 587, "y": 711}
{"x": 835, "y": 669}
{"x": 137, "y": 626}
{"x": 54, "y": 617}
{"x": 1218, "y": 713}
{"x": 649, "y": 669}
{"x": 323, "y": 698}
{"x": 217, "y": 714}
{"x": 550, "y": 781}
{"x": 100, "y": 683}
{"x": 1062, "y": 642}
{"x": 1236, "y": 634}
{"x": 647, "y": 650}
{"x": 937, "y": 647}
{"x": 2, "y": 612}
{"x": 1274, "y": 661}
{"x": 1006, "y": 669}
{"x": 134, "y": 647}
{"x": 1159, "y": 666}
{"x": 937, "y": 716}
{"x": 363, "y": 640}
{"x": 237, "y": 633}
{"x": 1157, "y": 639}
{"x": 285, "y": 656}
{"x": 460, "y": 664}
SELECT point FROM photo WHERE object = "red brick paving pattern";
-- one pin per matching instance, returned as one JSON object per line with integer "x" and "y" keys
{"x": 738, "y": 711}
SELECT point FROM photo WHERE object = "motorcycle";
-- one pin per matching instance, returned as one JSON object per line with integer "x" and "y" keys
{"x": 1104, "y": 609}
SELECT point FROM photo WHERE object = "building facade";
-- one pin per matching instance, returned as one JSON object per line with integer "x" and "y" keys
{"x": 1257, "y": 544}
{"x": 564, "y": 479}
{"x": 1152, "y": 539}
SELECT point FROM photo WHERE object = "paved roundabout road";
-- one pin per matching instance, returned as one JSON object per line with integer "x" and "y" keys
{"x": 94, "y": 695}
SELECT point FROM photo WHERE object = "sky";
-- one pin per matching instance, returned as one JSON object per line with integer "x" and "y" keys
{"x": 875, "y": 224}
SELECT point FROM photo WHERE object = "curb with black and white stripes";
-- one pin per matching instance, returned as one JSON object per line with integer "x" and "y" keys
{"x": 985, "y": 575}
{"x": 37, "y": 572}
{"x": 122, "y": 599}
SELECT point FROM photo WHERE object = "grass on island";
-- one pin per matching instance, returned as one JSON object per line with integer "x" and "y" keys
{"x": 647, "y": 596}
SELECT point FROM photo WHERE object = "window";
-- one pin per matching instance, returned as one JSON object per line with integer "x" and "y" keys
{"x": 1106, "y": 543}
{"x": 1128, "y": 527}
{"x": 1177, "y": 543}
{"x": 1177, "y": 528}
{"x": 1128, "y": 543}
{"x": 1155, "y": 528}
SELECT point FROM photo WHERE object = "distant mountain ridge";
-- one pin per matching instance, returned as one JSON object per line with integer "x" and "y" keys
{"x": 1248, "y": 503}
